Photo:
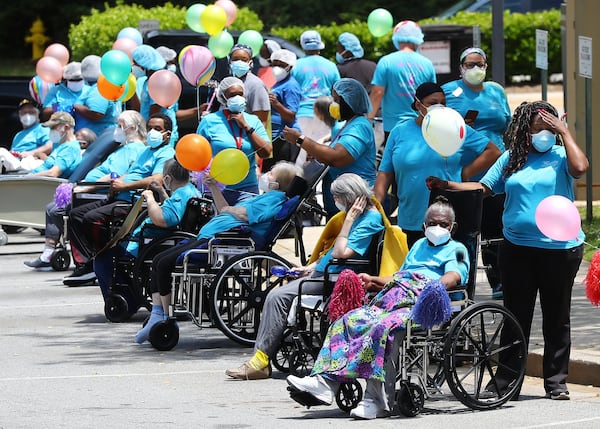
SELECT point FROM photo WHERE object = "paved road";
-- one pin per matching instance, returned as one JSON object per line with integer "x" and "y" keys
{"x": 63, "y": 365}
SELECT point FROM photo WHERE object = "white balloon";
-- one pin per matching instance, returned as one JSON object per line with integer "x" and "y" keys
{"x": 444, "y": 130}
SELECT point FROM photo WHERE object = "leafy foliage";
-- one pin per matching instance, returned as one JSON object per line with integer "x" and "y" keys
{"x": 95, "y": 33}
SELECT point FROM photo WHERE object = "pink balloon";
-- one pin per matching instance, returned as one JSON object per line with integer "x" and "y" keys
{"x": 558, "y": 218}
{"x": 126, "y": 45}
{"x": 230, "y": 10}
{"x": 49, "y": 69}
{"x": 164, "y": 88}
{"x": 196, "y": 64}
{"x": 58, "y": 51}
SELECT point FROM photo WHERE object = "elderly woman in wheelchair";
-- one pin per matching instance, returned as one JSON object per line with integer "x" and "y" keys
{"x": 256, "y": 213}
{"x": 358, "y": 344}
{"x": 362, "y": 221}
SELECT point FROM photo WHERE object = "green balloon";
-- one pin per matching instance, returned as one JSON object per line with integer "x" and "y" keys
{"x": 192, "y": 17}
{"x": 253, "y": 39}
{"x": 220, "y": 44}
{"x": 380, "y": 22}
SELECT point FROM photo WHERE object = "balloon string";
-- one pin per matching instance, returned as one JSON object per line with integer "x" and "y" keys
{"x": 198, "y": 113}
{"x": 591, "y": 245}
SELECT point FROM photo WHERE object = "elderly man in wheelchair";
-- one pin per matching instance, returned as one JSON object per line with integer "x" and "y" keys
{"x": 364, "y": 342}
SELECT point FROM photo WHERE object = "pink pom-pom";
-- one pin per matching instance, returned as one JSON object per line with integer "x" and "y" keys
{"x": 348, "y": 294}
{"x": 592, "y": 280}
{"x": 62, "y": 196}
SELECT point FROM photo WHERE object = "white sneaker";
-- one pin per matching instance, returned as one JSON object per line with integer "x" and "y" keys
{"x": 315, "y": 386}
{"x": 367, "y": 409}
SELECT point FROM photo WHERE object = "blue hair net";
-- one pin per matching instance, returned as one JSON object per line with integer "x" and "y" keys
{"x": 407, "y": 32}
{"x": 354, "y": 94}
{"x": 351, "y": 43}
{"x": 148, "y": 57}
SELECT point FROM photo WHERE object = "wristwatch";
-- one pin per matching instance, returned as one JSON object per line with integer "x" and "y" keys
{"x": 250, "y": 130}
{"x": 300, "y": 140}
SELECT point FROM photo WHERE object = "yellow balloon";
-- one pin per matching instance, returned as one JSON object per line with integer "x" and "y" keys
{"x": 213, "y": 19}
{"x": 230, "y": 166}
{"x": 129, "y": 88}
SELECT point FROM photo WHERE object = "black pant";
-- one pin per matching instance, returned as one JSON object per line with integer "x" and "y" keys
{"x": 89, "y": 226}
{"x": 164, "y": 263}
{"x": 491, "y": 228}
{"x": 527, "y": 270}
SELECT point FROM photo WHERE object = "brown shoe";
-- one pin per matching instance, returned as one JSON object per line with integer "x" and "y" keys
{"x": 246, "y": 372}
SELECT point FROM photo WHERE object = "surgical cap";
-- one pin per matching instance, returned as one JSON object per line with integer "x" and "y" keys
{"x": 72, "y": 71}
{"x": 468, "y": 51}
{"x": 407, "y": 32}
{"x": 351, "y": 43}
{"x": 90, "y": 68}
{"x": 272, "y": 45}
{"x": 284, "y": 56}
{"x": 354, "y": 94}
{"x": 167, "y": 53}
{"x": 148, "y": 57}
{"x": 424, "y": 90}
{"x": 224, "y": 85}
{"x": 242, "y": 47}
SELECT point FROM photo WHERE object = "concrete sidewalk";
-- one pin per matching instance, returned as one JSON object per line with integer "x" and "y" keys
{"x": 585, "y": 319}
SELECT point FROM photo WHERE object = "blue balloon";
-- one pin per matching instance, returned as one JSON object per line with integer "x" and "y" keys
{"x": 132, "y": 34}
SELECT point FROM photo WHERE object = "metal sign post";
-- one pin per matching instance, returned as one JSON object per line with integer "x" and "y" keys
{"x": 541, "y": 59}
{"x": 585, "y": 71}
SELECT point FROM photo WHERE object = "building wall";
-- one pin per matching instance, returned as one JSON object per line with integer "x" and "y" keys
{"x": 582, "y": 20}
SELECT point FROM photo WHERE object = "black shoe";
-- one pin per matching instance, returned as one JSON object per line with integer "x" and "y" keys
{"x": 37, "y": 263}
{"x": 81, "y": 275}
{"x": 558, "y": 395}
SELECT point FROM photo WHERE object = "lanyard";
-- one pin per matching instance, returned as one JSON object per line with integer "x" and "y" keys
{"x": 342, "y": 129}
{"x": 238, "y": 139}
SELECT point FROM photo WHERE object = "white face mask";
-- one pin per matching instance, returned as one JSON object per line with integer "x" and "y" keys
{"x": 119, "y": 135}
{"x": 155, "y": 138}
{"x": 55, "y": 136}
{"x": 280, "y": 73}
{"x": 75, "y": 85}
{"x": 265, "y": 184}
{"x": 340, "y": 206}
{"x": 28, "y": 119}
{"x": 474, "y": 76}
{"x": 264, "y": 62}
{"x": 437, "y": 235}
{"x": 172, "y": 68}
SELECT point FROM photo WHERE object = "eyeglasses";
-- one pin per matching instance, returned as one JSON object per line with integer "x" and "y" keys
{"x": 442, "y": 224}
{"x": 470, "y": 65}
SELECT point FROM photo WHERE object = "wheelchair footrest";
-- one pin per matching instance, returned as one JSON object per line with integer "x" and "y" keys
{"x": 304, "y": 398}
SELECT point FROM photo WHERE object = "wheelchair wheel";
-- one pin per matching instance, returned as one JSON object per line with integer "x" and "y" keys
{"x": 282, "y": 358}
{"x": 164, "y": 335}
{"x": 301, "y": 362}
{"x": 116, "y": 308}
{"x": 60, "y": 259}
{"x": 435, "y": 368}
{"x": 239, "y": 291}
{"x": 3, "y": 238}
{"x": 410, "y": 399}
{"x": 485, "y": 356}
{"x": 349, "y": 395}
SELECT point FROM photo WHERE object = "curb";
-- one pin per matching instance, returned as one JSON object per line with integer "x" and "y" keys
{"x": 583, "y": 370}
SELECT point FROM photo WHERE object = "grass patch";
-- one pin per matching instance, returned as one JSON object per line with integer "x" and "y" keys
{"x": 592, "y": 232}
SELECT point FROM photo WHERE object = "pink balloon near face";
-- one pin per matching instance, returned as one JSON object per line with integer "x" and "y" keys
{"x": 49, "y": 69}
{"x": 126, "y": 45}
{"x": 230, "y": 10}
{"x": 164, "y": 88}
{"x": 558, "y": 218}
{"x": 58, "y": 51}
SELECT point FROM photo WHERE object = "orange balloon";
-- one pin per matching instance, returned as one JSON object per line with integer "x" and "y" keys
{"x": 109, "y": 90}
{"x": 193, "y": 151}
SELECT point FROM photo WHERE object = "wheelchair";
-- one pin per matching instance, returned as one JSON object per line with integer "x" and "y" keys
{"x": 480, "y": 345}
{"x": 225, "y": 284}
{"x": 127, "y": 291}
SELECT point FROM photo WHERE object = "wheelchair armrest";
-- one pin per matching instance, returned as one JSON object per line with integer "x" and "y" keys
{"x": 234, "y": 233}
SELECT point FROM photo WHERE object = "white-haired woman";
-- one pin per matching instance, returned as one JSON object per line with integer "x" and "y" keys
{"x": 362, "y": 222}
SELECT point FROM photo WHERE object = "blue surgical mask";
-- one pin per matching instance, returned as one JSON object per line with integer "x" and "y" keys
{"x": 543, "y": 141}
{"x": 155, "y": 138}
{"x": 236, "y": 104}
{"x": 339, "y": 58}
{"x": 137, "y": 71}
{"x": 172, "y": 68}
{"x": 239, "y": 68}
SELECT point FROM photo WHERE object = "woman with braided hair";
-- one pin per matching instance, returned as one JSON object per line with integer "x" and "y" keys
{"x": 542, "y": 159}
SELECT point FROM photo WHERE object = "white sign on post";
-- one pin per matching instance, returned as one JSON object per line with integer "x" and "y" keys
{"x": 439, "y": 54}
{"x": 585, "y": 57}
{"x": 541, "y": 49}
{"x": 147, "y": 25}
